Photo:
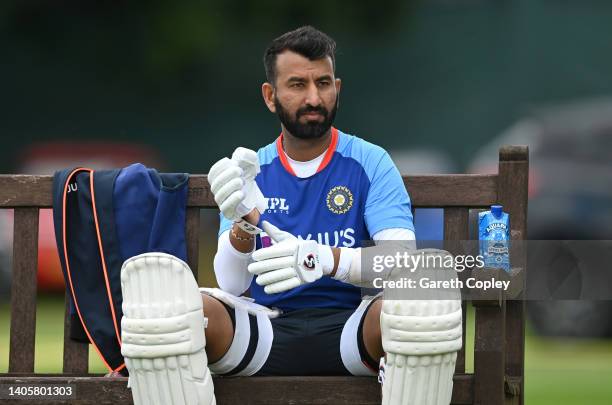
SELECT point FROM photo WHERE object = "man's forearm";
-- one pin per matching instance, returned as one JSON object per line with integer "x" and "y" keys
{"x": 336, "y": 253}
{"x": 241, "y": 240}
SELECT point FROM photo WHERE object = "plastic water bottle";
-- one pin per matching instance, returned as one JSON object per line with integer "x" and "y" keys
{"x": 494, "y": 236}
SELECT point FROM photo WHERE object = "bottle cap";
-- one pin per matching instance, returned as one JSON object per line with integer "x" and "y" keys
{"x": 496, "y": 210}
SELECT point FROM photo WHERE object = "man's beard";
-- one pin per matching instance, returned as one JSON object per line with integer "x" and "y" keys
{"x": 311, "y": 129}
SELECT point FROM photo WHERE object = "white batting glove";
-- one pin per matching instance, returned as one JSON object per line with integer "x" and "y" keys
{"x": 232, "y": 182}
{"x": 289, "y": 262}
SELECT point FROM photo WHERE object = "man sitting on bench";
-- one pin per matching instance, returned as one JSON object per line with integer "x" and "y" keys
{"x": 325, "y": 192}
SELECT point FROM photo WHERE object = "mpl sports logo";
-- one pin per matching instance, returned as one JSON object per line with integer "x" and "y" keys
{"x": 276, "y": 205}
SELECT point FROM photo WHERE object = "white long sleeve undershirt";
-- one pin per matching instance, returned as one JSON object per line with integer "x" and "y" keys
{"x": 231, "y": 267}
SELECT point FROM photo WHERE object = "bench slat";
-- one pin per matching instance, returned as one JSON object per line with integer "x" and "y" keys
{"x": 452, "y": 190}
{"x": 23, "y": 290}
{"x": 425, "y": 190}
{"x": 192, "y": 234}
{"x": 24, "y": 190}
{"x": 251, "y": 390}
{"x": 447, "y": 190}
{"x": 456, "y": 229}
{"x": 76, "y": 354}
{"x": 489, "y": 353}
{"x": 512, "y": 191}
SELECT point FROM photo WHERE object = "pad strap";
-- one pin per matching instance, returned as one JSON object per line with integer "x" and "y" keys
{"x": 245, "y": 303}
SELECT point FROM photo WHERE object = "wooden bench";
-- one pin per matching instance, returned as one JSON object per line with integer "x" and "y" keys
{"x": 499, "y": 326}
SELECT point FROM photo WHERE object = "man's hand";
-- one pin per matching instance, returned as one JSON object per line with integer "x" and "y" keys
{"x": 289, "y": 262}
{"x": 232, "y": 182}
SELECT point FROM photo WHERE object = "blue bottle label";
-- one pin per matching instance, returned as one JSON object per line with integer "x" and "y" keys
{"x": 494, "y": 236}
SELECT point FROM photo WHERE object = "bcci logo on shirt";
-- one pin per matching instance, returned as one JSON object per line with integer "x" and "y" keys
{"x": 339, "y": 200}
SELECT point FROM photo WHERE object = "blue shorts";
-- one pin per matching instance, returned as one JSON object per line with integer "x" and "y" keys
{"x": 313, "y": 341}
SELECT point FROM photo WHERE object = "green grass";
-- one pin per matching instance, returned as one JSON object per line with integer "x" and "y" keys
{"x": 49, "y": 337}
{"x": 558, "y": 372}
{"x": 568, "y": 372}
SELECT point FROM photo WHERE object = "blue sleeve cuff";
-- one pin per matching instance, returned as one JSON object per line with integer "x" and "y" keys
{"x": 224, "y": 224}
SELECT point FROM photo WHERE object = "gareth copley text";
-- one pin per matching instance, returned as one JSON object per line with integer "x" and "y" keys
{"x": 427, "y": 283}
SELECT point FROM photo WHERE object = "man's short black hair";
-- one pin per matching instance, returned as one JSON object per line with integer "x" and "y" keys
{"x": 306, "y": 41}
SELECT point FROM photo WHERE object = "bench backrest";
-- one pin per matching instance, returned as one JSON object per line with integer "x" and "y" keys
{"x": 499, "y": 330}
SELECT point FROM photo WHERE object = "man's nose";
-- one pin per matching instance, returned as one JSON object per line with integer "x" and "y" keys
{"x": 313, "y": 97}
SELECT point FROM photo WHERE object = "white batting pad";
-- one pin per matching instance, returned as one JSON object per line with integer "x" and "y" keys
{"x": 421, "y": 339}
{"x": 163, "y": 332}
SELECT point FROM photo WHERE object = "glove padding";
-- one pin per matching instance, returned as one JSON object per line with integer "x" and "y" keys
{"x": 232, "y": 182}
{"x": 288, "y": 263}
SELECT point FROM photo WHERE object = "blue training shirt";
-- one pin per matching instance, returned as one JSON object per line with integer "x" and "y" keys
{"x": 356, "y": 192}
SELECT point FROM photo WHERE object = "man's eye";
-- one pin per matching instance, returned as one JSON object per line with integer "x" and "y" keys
{"x": 297, "y": 85}
{"x": 324, "y": 83}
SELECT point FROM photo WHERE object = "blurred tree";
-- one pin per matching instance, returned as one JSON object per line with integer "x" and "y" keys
{"x": 166, "y": 38}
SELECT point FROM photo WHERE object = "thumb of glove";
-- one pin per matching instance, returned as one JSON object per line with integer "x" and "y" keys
{"x": 248, "y": 161}
{"x": 276, "y": 234}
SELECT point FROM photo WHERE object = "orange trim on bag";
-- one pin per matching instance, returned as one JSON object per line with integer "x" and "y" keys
{"x": 68, "y": 272}
{"x": 103, "y": 260}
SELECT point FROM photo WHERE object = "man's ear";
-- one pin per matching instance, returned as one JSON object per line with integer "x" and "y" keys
{"x": 267, "y": 92}
{"x": 338, "y": 85}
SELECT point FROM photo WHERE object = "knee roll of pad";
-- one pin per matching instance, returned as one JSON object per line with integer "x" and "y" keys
{"x": 161, "y": 337}
{"x": 422, "y": 327}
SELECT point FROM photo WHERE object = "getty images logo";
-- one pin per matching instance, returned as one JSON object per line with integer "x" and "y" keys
{"x": 276, "y": 205}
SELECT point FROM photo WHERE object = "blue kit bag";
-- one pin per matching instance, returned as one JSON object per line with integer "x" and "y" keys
{"x": 101, "y": 219}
